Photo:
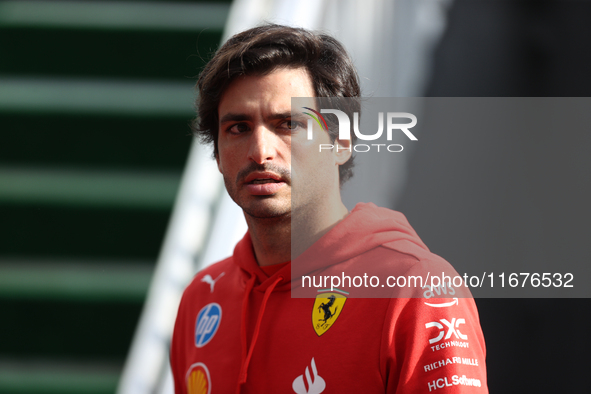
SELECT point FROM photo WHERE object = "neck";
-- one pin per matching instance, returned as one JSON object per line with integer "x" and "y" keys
{"x": 310, "y": 223}
{"x": 271, "y": 239}
{"x": 278, "y": 240}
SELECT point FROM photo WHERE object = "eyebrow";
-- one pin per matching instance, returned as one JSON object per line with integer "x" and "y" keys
{"x": 234, "y": 117}
{"x": 230, "y": 117}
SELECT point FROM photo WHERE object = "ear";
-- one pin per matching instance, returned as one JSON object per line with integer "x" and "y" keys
{"x": 342, "y": 151}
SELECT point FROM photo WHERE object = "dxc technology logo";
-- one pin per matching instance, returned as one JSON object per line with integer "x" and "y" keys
{"x": 452, "y": 328}
{"x": 345, "y": 130}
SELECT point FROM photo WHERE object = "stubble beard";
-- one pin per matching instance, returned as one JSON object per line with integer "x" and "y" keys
{"x": 259, "y": 207}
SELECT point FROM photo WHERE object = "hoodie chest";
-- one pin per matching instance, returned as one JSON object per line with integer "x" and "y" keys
{"x": 279, "y": 341}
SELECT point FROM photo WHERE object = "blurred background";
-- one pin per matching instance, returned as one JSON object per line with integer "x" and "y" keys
{"x": 107, "y": 207}
{"x": 95, "y": 102}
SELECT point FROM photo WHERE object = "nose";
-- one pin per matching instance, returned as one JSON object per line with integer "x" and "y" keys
{"x": 262, "y": 145}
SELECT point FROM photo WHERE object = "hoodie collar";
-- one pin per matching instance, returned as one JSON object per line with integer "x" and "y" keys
{"x": 245, "y": 259}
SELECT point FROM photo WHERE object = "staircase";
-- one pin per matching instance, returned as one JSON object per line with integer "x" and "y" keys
{"x": 95, "y": 101}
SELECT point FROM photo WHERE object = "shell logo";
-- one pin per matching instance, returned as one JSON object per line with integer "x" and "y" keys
{"x": 198, "y": 379}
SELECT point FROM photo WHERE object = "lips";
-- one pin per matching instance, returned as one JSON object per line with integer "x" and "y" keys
{"x": 259, "y": 181}
{"x": 262, "y": 177}
{"x": 263, "y": 183}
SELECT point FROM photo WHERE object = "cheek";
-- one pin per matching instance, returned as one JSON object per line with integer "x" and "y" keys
{"x": 309, "y": 164}
{"x": 225, "y": 164}
{"x": 226, "y": 156}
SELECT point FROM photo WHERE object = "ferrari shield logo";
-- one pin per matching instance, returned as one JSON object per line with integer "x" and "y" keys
{"x": 327, "y": 308}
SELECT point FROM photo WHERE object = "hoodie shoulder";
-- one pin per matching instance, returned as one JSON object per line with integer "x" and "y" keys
{"x": 204, "y": 278}
{"x": 424, "y": 260}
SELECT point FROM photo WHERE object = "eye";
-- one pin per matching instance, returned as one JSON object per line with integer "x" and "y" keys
{"x": 238, "y": 128}
{"x": 291, "y": 125}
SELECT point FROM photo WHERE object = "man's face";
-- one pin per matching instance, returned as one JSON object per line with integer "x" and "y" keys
{"x": 257, "y": 138}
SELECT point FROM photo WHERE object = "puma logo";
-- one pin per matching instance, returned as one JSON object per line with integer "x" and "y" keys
{"x": 208, "y": 279}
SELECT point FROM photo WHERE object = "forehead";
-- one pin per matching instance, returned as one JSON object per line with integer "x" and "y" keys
{"x": 268, "y": 93}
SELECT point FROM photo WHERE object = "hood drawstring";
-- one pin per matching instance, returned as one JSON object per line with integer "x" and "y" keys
{"x": 249, "y": 286}
{"x": 246, "y": 356}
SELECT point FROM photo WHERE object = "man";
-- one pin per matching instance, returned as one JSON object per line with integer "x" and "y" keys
{"x": 238, "y": 328}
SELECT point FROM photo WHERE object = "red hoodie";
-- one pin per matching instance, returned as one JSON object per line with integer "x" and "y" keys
{"x": 240, "y": 331}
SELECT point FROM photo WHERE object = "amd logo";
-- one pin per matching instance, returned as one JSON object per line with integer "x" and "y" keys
{"x": 452, "y": 329}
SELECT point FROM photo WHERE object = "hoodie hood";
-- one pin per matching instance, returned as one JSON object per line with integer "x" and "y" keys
{"x": 366, "y": 227}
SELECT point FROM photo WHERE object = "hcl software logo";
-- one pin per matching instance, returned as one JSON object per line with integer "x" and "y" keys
{"x": 345, "y": 129}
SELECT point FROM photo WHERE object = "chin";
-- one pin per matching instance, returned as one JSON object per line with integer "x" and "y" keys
{"x": 267, "y": 211}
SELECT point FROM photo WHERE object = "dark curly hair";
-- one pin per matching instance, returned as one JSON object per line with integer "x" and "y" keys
{"x": 261, "y": 50}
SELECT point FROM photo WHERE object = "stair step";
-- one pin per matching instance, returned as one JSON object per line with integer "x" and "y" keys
{"x": 115, "y": 15}
{"x": 156, "y": 190}
{"x": 81, "y": 232}
{"x": 113, "y": 142}
{"x": 97, "y": 96}
{"x": 88, "y": 280}
{"x": 119, "y": 39}
{"x": 55, "y": 377}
